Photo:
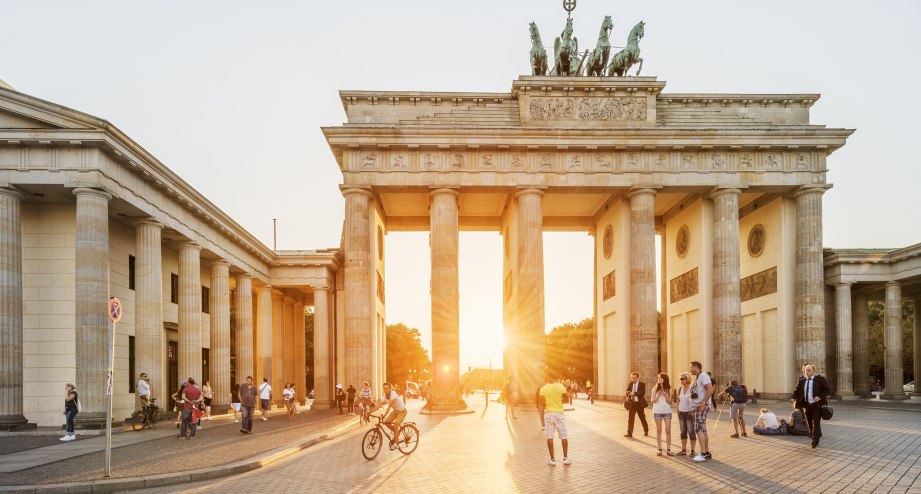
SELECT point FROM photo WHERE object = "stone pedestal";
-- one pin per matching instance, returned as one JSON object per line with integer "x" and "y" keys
{"x": 243, "y": 328}
{"x": 810, "y": 280}
{"x": 92, "y": 298}
{"x": 220, "y": 335}
{"x": 446, "y": 393}
{"x": 892, "y": 341}
{"x": 843, "y": 318}
{"x": 644, "y": 332}
{"x": 321, "y": 363}
{"x": 300, "y": 354}
{"x": 11, "y": 375}
{"x": 150, "y": 343}
{"x": 359, "y": 311}
{"x": 264, "y": 334}
{"x": 190, "y": 312}
{"x": 278, "y": 347}
{"x": 861, "y": 345}
{"x": 727, "y": 297}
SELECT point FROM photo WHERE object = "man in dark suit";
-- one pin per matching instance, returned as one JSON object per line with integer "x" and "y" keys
{"x": 811, "y": 394}
{"x": 636, "y": 395}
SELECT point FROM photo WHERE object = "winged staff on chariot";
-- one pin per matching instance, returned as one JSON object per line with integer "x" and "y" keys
{"x": 597, "y": 62}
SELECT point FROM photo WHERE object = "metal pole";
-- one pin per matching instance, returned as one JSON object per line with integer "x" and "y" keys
{"x": 109, "y": 401}
{"x": 274, "y": 233}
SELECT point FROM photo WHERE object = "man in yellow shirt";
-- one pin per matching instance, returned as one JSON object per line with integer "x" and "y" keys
{"x": 552, "y": 394}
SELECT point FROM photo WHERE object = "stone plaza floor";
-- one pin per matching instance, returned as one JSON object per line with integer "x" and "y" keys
{"x": 870, "y": 446}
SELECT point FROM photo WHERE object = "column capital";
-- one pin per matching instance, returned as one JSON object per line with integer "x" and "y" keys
{"x": 316, "y": 288}
{"x": 219, "y": 263}
{"x": 811, "y": 189}
{"x": 289, "y": 301}
{"x": 264, "y": 288}
{"x": 639, "y": 191}
{"x": 148, "y": 222}
{"x": 243, "y": 276}
{"x": 86, "y": 191}
{"x": 9, "y": 192}
{"x": 276, "y": 294}
{"x": 893, "y": 283}
{"x": 298, "y": 304}
{"x": 528, "y": 191}
{"x": 353, "y": 189}
{"x": 843, "y": 285}
{"x": 721, "y": 191}
{"x": 189, "y": 246}
{"x": 434, "y": 191}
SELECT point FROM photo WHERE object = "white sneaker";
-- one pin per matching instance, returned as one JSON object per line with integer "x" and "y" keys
{"x": 67, "y": 438}
{"x": 551, "y": 462}
{"x": 265, "y": 418}
{"x": 567, "y": 461}
{"x": 235, "y": 420}
{"x": 699, "y": 457}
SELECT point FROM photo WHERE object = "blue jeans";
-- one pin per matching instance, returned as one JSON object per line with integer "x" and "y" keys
{"x": 247, "y": 419}
{"x": 686, "y": 421}
{"x": 187, "y": 421}
{"x": 69, "y": 415}
{"x": 767, "y": 431}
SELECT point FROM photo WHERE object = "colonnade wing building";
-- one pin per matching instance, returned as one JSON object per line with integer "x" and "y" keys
{"x": 732, "y": 183}
{"x": 86, "y": 213}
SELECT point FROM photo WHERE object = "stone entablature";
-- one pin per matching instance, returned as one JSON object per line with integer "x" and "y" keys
{"x": 871, "y": 265}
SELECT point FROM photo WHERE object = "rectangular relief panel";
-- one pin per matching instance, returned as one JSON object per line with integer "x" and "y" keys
{"x": 684, "y": 286}
{"x": 759, "y": 284}
{"x": 609, "y": 287}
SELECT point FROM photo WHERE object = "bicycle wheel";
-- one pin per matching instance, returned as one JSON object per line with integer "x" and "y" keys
{"x": 138, "y": 418}
{"x": 409, "y": 439}
{"x": 371, "y": 444}
{"x": 152, "y": 418}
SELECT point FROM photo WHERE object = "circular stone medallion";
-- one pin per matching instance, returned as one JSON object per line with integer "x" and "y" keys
{"x": 683, "y": 241}
{"x": 756, "y": 241}
{"x": 608, "y": 241}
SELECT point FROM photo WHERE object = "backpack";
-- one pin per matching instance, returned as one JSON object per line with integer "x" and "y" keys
{"x": 739, "y": 393}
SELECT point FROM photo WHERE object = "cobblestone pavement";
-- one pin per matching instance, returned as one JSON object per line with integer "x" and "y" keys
{"x": 863, "y": 450}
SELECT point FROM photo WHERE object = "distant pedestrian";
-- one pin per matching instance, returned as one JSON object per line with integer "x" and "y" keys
{"x": 511, "y": 397}
{"x": 247, "y": 396}
{"x": 541, "y": 407}
{"x": 177, "y": 399}
{"x": 810, "y": 396}
{"x": 686, "y": 415}
{"x": 340, "y": 397}
{"x": 662, "y": 412}
{"x": 288, "y": 395}
{"x": 71, "y": 409}
{"x": 737, "y": 410}
{"x": 552, "y": 393}
{"x": 191, "y": 396}
{"x": 235, "y": 401}
{"x": 207, "y": 394}
{"x": 351, "y": 398}
{"x": 636, "y": 396}
{"x": 701, "y": 393}
{"x": 365, "y": 397}
{"x": 265, "y": 397}
{"x": 797, "y": 423}
{"x": 767, "y": 424}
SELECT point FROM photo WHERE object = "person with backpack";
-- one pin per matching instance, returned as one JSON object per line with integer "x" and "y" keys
{"x": 736, "y": 413}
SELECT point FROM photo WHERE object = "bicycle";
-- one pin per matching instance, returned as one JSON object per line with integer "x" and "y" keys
{"x": 364, "y": 413}
{"x": 145, "y": 416}
{"x": 373, "y": 441}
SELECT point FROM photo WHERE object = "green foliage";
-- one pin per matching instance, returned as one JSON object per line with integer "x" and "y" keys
{"x": 569, "y": 351}
{"x": 308, "y": 334}
{"x": 404, "y": 354}
{"x": 477, "y": 379}
{"x": 876, "y": 349}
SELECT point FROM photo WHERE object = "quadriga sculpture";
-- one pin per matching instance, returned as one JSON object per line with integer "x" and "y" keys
{"x": 626, "y": 58}
{"x": 598, "y": 60}
{"x": 538, "y": 53}
{"x": 566, "y": 52}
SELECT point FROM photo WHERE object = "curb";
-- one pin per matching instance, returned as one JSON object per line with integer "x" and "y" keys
{"x": 167, "y": 479}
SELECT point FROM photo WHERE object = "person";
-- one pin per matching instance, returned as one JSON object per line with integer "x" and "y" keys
{"x": 265, "y": 396}
{"x": 541, "y": 406}
{"x": 191, "y": 396}
{"x": 797, "y": 424}
{"x": 365, "y": 396}
{"x": 590, "y": 391}
{"x": 395, "y": 412}
{"x": 351, "y": 399}
{"x": 340, "y": 397}
{"x": 811, "y": 395}
{"x": 511, "y": 397}
{"x": 71, "y": 409}
{"x": 767, "y": 424}
{"x": 636, "y": 395}
{"x": 207, "y": 394}
{"x": 235, "y": 401}
{"x": 662, "y": 412}
{"x": 737, "y": 409}
{"x": 288, "y": 395}
{"x": 143, "y": 389}
{"x": 177, "y": 397}
{"x": 686, "y": 415}
{"x": 247, "y": 395}
{"x": 701, "y": 393}
{"x": 552, "y": 394}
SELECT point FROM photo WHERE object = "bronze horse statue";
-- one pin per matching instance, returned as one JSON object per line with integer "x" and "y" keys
{"x": 538, "y": 53}
{"x": 566, "y": 52}
{"x": 626, "y": 58}
{"x": 598, "y": 60}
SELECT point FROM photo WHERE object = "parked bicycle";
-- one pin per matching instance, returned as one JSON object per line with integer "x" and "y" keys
{"x": 407, "y": 438}
{"x": 145, "y": 416}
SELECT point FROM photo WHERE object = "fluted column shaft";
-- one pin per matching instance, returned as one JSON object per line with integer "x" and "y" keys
{"x": 861, "y": 345}
{"x": 92, "y": 295}
{"x": 11, "y": 330}
{"x": 843, "y": 320}
{"x": 445, "y": 301}
{"x": 530, "y": 331}
{"x": 358, "y": 287}
{"x": 643, "y": 317}
{"x": 727, "y": 296}
{"x": 289, "y": 344}
{"x": 916, "y": 337}
{"x": 264, "y": 332}
{"x": 243, "y": 327}
{"x": 300, "y": 353}
{"x": 148, "y": 302}
{"x": 321, "y": 339}
{"x": 810, "y": 280}
{"x": 189, "y": 311}
{"x": 278, "y": 345}
{"x": 892, "y": 341}
{"x": 220, "y": 334}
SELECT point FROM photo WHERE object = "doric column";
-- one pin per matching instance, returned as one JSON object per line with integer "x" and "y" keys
{"x": 289, "y": 345}
{"x": 92, "y": 296}
{"x": 843, "y": 320}
{"x": 530, "y": 335}
{"x": 278, "y": 346}
{"x": 189, "y": 311}
{"x": 810, "y": 280}
{"x": 243, "y": 328}
{"x": 220, "y": 335}
{"x": 11, "y": 374}
{"x": 892, "y": 341}
{"x": 300, "y": 353}
{"x": 358, "y": 286}
{"x": 150, "y": 346}
{"x": 727, "y": 297}
{"x": 264, "y": 332}
{"x": 445, "y": 301}
{"x": 643, "y": 318}
{"x": 916, "y": 337}
{"x": 321, "y": 360}
{"x": 861, "y": 345}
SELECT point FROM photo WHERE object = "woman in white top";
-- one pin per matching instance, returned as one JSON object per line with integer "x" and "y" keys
{"x": 662, "y": 412}
{"x": 767, "y": 423}
{"x": 686, "y": 414}
{"x": 208, "y": 394}
{"x": 288, "y": 395}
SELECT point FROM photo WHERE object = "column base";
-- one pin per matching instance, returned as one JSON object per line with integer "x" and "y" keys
{"x": 322, "y": 405}
{"x": 446, "y": 408}
{"x": 92, "y": 421}
{"x": 846, "y": 397}
{"x": 894, "y": 396}
{"x": 220, "y": 409}
{"x": 15, "y": 422}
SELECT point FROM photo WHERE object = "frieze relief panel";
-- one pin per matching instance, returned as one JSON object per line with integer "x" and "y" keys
{"x": 683, "y": 286}
{"x": 759, "y": 284}
{"x": 595, "y": 109}
{"x": 608, "y": 286}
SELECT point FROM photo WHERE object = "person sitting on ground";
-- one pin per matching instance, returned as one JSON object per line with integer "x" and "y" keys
{"x": 767, "y": 424}
{"x": 798, "y": 425}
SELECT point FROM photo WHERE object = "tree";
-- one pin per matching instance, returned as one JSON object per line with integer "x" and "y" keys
{"x": 407, "y": 360}
{"x": 569, "y": 353}
{"x": 876, "y": 349}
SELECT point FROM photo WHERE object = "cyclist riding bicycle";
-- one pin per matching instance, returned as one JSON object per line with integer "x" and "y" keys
{"x": 395, "y": 417}
{"x": 364, "y": 398}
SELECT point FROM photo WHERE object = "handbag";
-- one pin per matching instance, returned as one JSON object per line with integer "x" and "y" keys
{"x": 827, "y": 412}
{"x": 628, "y": 403}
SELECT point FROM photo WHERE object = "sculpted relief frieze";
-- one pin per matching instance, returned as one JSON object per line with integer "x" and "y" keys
{"x": 759, "y": 284}
{"x": 683, "y": 286}
{"x": 599, "y": 109}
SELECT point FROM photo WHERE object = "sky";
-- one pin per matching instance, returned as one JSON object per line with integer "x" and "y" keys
{"x": 231, "y": 96}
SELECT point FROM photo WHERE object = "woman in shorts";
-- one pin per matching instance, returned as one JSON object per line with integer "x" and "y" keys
{"x": 662, "y": 412}
{"x": 288, "y": 394}
{"x": 208, "y": 393}
{"x": 235, "y": 401}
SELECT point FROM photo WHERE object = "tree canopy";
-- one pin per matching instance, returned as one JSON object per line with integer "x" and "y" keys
{"x": 569, "y": 351}
{"x": 407, "y": 360}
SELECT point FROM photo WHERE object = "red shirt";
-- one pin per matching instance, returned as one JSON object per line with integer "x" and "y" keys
{"x": 191, "y": 394}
